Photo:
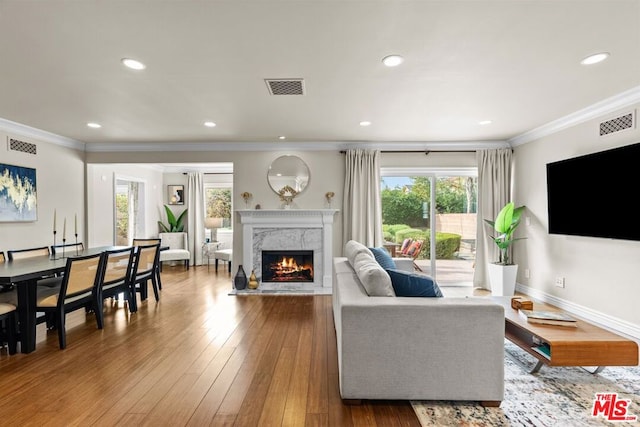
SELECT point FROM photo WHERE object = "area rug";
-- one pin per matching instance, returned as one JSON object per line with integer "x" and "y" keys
{"x": 552, "y": 397}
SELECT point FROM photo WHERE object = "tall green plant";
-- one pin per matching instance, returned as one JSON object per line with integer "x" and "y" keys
{"x": 505, "y": 224}
{"x": 175, "y": 224}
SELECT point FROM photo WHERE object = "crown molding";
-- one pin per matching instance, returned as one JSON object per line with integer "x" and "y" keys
{"x": 39, "y": 134}
{"x": 292, "y": 145}
{"x": 606, "y": 106}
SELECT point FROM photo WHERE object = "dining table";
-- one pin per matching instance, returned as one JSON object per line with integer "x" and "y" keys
{"x": 24, "y": 275}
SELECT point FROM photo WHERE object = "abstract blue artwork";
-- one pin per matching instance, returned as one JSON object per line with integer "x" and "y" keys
{"x": 18, "y": 196}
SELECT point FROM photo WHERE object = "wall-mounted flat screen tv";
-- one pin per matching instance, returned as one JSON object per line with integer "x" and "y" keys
{"x": 596, "y": 194}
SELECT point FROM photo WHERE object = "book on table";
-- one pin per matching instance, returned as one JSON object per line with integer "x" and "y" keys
{"x": 548, "y": 318}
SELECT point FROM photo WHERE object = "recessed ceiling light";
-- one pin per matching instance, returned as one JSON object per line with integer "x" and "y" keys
{"x": 133, "y": 64}
{"x": 209, "y": 124}
{"x": 595, "y": 58}
{"x": 484, "y": 122}
{"x": 365, "y": 123}
{"x": 94, "y": 125}
{"x": 282, "y": 137}
{"x": 392, "y": 60}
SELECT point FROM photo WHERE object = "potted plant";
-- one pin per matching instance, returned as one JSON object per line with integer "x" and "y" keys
{"x": 175, "y": 223}
{"x": 502, "y": 274}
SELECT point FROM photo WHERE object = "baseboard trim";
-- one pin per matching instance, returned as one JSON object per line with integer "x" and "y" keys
{"x": 614, "y": 324}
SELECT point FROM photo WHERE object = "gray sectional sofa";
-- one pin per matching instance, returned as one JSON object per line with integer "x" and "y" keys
{"x": 412, "y": 348}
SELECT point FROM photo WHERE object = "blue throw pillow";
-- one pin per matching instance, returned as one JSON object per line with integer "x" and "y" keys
{"x": 384, "y": 259}
{"x": 407, "y": 284}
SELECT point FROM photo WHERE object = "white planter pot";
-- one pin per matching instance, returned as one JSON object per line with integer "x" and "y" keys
{"x": 503, "y": 279}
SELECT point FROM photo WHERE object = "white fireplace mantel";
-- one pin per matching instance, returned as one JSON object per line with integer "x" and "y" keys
{"x": 256, "y": 220}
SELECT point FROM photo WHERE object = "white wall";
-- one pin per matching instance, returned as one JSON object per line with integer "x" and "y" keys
{"x": 60, "y": 186}
{"x": 602, "y": 275}
{"x": 100, "y": 199}
{"x": 250, "y": 174}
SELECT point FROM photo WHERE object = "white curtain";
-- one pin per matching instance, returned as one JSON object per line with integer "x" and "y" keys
{"x": 362, "y": 207}
{"x": 494, "y": 191}
{"x": 195, "y": 216}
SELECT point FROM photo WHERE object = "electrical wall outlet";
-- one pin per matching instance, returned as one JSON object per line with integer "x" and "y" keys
{"x": 560, "y": 282}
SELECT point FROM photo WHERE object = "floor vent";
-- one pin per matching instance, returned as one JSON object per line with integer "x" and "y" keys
{"x": 285, "y": 86}
{"x": 24, "y": 147}
{"x": 616, "y": 125}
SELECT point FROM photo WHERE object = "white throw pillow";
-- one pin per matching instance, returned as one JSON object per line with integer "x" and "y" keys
{"x": 374, "y": 278}
{"x": 353, "y": 248}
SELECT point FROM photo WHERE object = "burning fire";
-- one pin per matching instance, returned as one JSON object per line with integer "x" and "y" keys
{"x": 289, "y": 265}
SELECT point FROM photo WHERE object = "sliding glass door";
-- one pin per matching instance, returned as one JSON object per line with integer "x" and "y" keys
{"x": 129, "y": 211}
{"x": 417, "y": 201}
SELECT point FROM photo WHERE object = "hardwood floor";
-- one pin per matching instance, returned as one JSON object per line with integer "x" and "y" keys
{"x": 198, "y": 357}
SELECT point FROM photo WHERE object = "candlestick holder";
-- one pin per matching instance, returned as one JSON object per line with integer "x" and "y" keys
{"x": 54, "y": 244}
{"x": 63, "y": 246}
{"x": 76, "y": 244}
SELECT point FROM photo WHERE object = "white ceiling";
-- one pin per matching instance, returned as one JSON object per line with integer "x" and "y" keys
{"x": 513, "y": 62}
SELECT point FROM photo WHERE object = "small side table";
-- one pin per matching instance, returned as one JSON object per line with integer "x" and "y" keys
{"x": 208, "y": 249}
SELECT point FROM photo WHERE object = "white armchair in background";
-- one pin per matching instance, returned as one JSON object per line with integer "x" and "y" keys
{"x": 177, "y": 244}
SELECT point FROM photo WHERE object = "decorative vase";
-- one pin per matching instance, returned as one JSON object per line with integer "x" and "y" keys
{"x": 240, "y": 281}
{"x": 253, "y": 280}
{"x": 502, "y": 279}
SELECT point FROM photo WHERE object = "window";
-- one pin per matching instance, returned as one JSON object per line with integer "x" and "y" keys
{"x": 218, "y": 203}
{"x": 129, "y": 211}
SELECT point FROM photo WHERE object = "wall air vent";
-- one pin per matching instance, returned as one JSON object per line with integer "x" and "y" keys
{"x": 24, "y": 147}
{"x": 285, "y": 86}
{"x": 616, "y": 125}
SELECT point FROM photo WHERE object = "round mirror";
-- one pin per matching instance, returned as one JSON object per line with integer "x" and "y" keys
{"x": 288, "y": 176}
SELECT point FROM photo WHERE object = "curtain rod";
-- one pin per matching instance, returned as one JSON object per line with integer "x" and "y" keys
{"x": 212, "y": 173}
{"x": 426, "y": 152}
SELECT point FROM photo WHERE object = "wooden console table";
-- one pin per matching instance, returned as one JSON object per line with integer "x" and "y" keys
{"x": 586, "y": 345}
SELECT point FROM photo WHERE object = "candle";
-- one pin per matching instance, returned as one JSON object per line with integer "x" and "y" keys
{"x": 76, "y": 224}
{"x": 64, "y": 228}
{"x": 54, "y": 220}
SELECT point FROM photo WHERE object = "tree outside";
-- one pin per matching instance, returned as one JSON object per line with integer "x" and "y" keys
{"x": 219, "y": 204}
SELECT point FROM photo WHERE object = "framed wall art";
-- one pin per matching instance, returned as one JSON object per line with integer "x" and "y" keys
{"x": 18, "y": 194}
{"x": 176, "y": 194}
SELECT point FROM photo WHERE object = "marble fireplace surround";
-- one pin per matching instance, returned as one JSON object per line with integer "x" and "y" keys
{"x": 289, "y": 229}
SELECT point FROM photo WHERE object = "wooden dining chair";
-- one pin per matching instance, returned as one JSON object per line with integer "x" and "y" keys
{"x": 116, "y": 279}
{"x": 18, "y": 254}
{"x": 150, "y": 241}
{"x": 8, "y": 293}
{"x": 145, "y": 269}
{"x": 68, "y": 248}
{"x": 80, "y": 288}
{"x": 9, "y": 327}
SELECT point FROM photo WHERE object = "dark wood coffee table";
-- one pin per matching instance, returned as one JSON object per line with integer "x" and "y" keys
{"x": 586, "y": 345}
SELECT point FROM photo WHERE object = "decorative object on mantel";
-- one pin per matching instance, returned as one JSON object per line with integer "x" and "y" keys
{"x": 253, "y": 280}
{"x": 240, "y": 281}
{"x": 329, "y": 195}
{"x": 246, "y": 196}
{"x": 258, "y": 206}
{"x": 286, "y": 195}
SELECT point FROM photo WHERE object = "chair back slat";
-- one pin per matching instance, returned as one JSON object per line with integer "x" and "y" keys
{"x": 28, "y": 253}
{"x": 145, "y": 242}
{"x": 118, "y": 265}
{"x": 2, "y": 259}
{"x": 81, "y": 275}
{"x": 147, "y": 259}
{"x": 69, "y": 247}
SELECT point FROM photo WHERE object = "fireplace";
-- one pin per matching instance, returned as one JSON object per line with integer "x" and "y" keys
{"x": 287, "y": 266}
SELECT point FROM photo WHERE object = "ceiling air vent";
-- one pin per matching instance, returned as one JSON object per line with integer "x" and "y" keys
{"x": 24, "y": 147}
{"x": 285, "y": 86}
{"x": 616, "y": 125}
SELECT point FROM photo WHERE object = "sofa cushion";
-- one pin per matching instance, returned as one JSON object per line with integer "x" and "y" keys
{"x": 413, "y": 285}
{"x": 384, "y": 258}
{"x": 374, "y": 279}
{"x": 353, "y": 248}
